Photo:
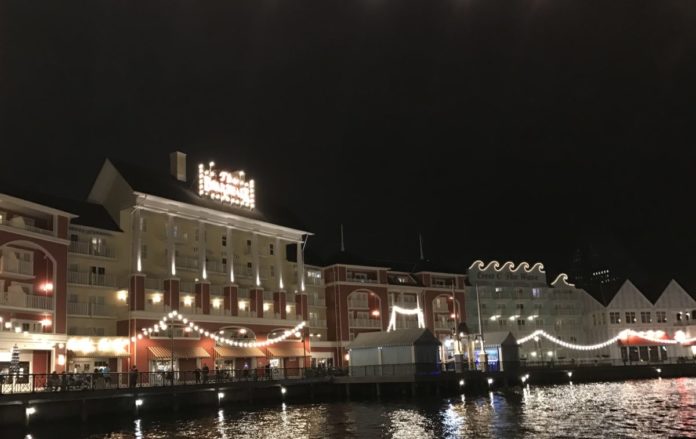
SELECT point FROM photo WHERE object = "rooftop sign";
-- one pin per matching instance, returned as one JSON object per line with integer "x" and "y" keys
{"x": 226, "y": 187}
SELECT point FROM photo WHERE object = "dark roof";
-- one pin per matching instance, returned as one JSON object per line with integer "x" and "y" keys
{"x": 161, "y": 184}
{"x": 88, "y": 214}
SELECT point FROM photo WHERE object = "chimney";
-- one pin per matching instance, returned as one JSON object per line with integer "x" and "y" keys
{"x": 177, "y": 165}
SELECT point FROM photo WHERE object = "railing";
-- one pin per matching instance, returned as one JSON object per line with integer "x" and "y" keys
{"x": 69, "y": 382}
{"x": 16, "y": 266}
{"x": 86, "y": 248}
{"x": 215, "y": 266}
{"x": 356, "y": 303}
{"x": 22, "y": 300}
{"x": 187, "y": 262}
{"x": 187, "y": 287}
{"x": 362, "y": 280}
{"x": 598, "y": 362}
{"x": 395, "y": 370}
{"x": 152, "y": 283}
{"x": 319, "y": 301}
{"x": 89, "y": 309}
{"x": 364, "y": 323}
{"x": 87, "y": 278}
{"x": 23, "y": 226}
{"x": 317, "y": 323}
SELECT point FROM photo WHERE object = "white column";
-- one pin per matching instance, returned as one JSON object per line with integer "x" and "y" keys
{"x": 230, "y": 255}
{"x": 279, "y": 263}
{"x": 137, "y": 245}
{"x": 300, "y": 266}
{"x": 202, "y": 250}
{"x": 255, "y": 258}
{"x": 171, "y": 246}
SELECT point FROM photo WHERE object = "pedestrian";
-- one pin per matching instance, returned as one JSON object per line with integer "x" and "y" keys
{"x": 206, "y": 370}
{"x": 107, "y": 375}
{"x": 197, "y": 375}
{"x": 133, "y": 376}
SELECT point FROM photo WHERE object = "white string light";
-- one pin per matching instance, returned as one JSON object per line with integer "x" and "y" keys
{"x": 407, "y": 312}
{"x": 174, "y": 315}
{"x": 653, "y": 336}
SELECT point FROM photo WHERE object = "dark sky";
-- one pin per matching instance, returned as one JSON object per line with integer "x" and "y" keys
{"x": 498, "y": 129}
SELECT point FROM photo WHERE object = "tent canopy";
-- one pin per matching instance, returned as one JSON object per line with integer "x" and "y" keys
{"x": 400, "y": 337}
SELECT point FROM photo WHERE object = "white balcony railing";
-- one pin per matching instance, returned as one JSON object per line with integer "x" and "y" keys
{"x": 90, "y": 309}
{"x": 21, "y": 300}
{"x": 15, "y": 266}
{"x": 18, "y": 223}
{"x": 357, "y": 303}
{"x": 319, "y": 301}
{"x": 364, "y": 323}
{"x": 317, "y": 323}
{"x": 87, "y": 248}
{"x": 88, "y": 278}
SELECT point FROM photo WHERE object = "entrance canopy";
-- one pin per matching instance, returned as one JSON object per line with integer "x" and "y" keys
{"x": 161, "y": 353}
{"x": 238, "y": 352}
{"x": 287, "y": 349}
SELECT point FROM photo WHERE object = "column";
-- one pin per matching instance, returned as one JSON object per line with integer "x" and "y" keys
{"x": 301, "y": 306}
{"x": 136, "y": 292}
{"x": 279, "y": 303}
{"x": 255, "y": 258}
{"x": 171, "y": 245}
{"x": 172, "y": 293}
{"x": 230, "y": 256}
{"x": 203, "y": 297}
{"x": 231, "y": 300}
{"x": 137, "y": 245}
{"x": 278, "y": 264}
{"x": 256, "y": 299}
{"x": 300, "y": 266}
{"x": 202, "y": 251}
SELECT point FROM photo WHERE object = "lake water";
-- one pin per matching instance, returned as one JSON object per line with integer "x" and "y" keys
{"x": 651, "y": 409}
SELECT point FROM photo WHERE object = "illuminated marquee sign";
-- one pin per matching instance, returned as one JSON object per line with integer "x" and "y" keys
{"x": 226, "y": 187}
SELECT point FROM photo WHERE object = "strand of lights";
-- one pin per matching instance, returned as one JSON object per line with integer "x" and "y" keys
{"x": 174, "y": 315}
{"x": 653, "y": 336}
{"x": 407, "y": 312}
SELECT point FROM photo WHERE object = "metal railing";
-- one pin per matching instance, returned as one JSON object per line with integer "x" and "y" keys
{"x": 595, "y": 362}
{"x": 16, "y": 266}
{"x": 88, "y": 278}
{"x": 395, "y": 370}
{"x": 317, "y": 323}
{"x": 70, "y": 382}
{"x": 22, "y": 300}
{"x": 87, "y": 248}
{"x": 364, "y": 323}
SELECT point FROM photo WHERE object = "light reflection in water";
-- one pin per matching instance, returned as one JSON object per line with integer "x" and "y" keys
{"x": 638, "y": 409}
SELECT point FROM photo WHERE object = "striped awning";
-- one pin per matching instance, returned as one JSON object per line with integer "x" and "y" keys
{"x": 162, "y": 353}
{"x": 238, "y": 352}
{"x": 287, "y": 349}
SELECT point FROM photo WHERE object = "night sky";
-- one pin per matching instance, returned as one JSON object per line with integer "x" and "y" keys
{"x": 498, "y": 129}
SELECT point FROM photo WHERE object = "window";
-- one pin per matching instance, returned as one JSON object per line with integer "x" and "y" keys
{"x": 520, "y": 322}
{"x": 224, "y": 240}
{"x": 143, "y": 251}
{"x": 271, "y": 250}
{"x": 536, "y": 292}
{"x": 645, "y": 317}
{"x": 679, "y": 317}
{"x": 502, "y": 322}
{"x": 248, "y": 244}
{"x": 520, "y": 306}
{"x": 594, "y": 320}
{"x": 573, "y": 339}
{"x": 630, "y": 317}
{"x": 224, "y": 262}
{"x": 614, "y": 318}
{"x": 249, "y": 268}
{"x": 74, "y": 237}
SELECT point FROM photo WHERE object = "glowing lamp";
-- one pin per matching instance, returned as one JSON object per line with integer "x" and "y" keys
{"x": 122, "y": 295}
{"x": 375, "y": 313}
{"x": 156, "y": 298}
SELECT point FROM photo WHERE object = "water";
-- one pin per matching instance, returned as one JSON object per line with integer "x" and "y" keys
{"x": 635, "y": 409}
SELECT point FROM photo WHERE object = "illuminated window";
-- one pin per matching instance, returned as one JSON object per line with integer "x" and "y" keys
{"x": 536, "y": 292}
{"x": 645, "y": 317}
{"x": 614, "y": 318}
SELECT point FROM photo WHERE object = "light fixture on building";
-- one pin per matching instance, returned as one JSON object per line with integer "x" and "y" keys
{"x": 216, "y": 303}
{"x": 266, "y": 306}
{"x": 122, "y": 295}
{"x": 46, "y": 322}
{"x": 18, "y": 329}
{"x": 188, "y": 300}
{"x": 138, "y": 402}
{"x": 46, "y": 287}
{"x": 375, "y": 313}
{"x": 61, "y": 360}
{"x": 8, "y": 325}
{"x": 297, "y": 334}
{"x": 156, "y": 298}
{"x": 242, "y": 305}
{"x": 243, "y": 331}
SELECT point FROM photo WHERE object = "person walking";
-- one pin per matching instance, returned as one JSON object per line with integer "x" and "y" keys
{"x": 206, "y": 370}
{"x": 133, "y": 376}
{"x": 197, "y": 375}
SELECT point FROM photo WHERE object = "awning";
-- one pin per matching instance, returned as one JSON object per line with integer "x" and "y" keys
{"x": 161, "y": 353}
{"x": 98, "y": 354}
{"x": 238, "y": 352}
{"x": 287, "y": 349}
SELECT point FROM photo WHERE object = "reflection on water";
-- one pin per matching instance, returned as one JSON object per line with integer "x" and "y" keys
{"x": 655, "y": 408}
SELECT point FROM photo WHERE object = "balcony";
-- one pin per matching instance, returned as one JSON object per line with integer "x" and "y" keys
{"x": 187, "y": 263}
{"x": 318, "y": 323}
{"x": 95, "y": 279}
{"x": 357, "y": 303}
{"x": 439, "y": 324}
{"x": 10, "y": 265}
{"x": 364, "y": 323}
{"x": 87, "y": 248}
{"x": 22, "y": 300}
{"x": 18, "y": 222}
{"x": 90, "y": 309}
{"x": 361, "y": 279}
{"x": 319, "y": 301}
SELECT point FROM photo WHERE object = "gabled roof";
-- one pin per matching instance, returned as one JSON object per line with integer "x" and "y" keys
{"x": 629, "y": 296}
{"x": 674, "y": 296}
{"x": 401, "y": 337}
{"x": 164, "y": 185}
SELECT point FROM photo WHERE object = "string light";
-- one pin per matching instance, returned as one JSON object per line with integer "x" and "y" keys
{"x": 408, "y": 312}
{"x": 652, "y": 336}
{"x": 174, "y": 315}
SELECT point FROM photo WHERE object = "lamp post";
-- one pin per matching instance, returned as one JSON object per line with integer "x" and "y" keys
{"x": 171, "y": 325}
